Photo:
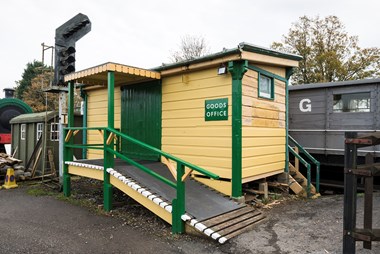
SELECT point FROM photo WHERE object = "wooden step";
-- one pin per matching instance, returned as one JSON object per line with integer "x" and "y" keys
{"x": 233, "y": 223}
{"x": 295, "y": 175}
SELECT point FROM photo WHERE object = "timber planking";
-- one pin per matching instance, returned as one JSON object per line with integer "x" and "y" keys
{"x": 264, "y": 130}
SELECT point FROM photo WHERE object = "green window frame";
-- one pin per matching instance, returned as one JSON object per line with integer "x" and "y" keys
{"x": 265, "y": 86}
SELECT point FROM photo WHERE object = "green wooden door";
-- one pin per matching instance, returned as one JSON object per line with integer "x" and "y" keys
{"x": 141, "y": 119}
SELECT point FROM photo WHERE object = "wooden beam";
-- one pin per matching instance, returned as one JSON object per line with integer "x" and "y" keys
{"x": 110, "y": 138}
{"x": 187, "y": 173}
{"x": 68, "y": 136}
{"x": 101, "y": 135}
{"x": 170, "y": 166}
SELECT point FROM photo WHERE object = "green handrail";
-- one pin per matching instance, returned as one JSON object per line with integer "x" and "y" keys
{"x": 143, "y": 168}
{"x": 167, "y": 155}
{"x": 178, "y": 203}
{"x": 311, "y": 158}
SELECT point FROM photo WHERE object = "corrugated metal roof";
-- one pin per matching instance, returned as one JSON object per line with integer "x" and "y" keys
{"x": 34, "y": 117}
{"x": 334, "y": 84}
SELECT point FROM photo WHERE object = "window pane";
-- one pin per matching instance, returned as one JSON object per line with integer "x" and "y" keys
{"x": 265, "y": 86}
{"x": 54, "y": 132}
{"x": 23, "y": 129}
{"x": 354, "y": 102}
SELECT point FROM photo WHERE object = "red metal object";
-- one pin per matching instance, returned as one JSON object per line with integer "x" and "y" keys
{"x": 5, "y": 138}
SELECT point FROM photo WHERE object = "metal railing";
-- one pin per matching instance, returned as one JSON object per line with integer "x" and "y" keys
{"x": 111, "y": 149}
{"x": 306, "y": 164}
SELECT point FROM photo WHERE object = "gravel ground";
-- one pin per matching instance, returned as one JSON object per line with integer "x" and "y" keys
{"x": 35, "y": 221}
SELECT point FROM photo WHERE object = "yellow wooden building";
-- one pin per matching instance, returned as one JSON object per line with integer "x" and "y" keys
{"x": 220, "y": 119}
{"x": 224, "y": 112}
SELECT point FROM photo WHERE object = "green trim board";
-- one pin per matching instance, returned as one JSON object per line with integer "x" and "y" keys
{"x": 237, "y": 70}
{"x": 288, "y": 74}
{"x": 267, "y": 73}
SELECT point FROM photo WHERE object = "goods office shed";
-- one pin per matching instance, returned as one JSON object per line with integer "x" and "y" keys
{"x": 224, "y": 112}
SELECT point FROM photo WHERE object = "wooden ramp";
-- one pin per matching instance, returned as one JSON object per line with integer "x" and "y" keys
{"x": 207, "y": 211}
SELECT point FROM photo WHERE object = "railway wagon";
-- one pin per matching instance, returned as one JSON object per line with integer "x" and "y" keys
{"x": 320, "y": 114}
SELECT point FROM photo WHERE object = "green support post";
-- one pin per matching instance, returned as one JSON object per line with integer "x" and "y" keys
{"x": 237, "y": 70}
{"x": 178, "y": 226}
{"x": 109, "y": 157}
{"x": 288, "y": 73}
{"x": 67, "y": 151}
{"x": 83, "y": 94}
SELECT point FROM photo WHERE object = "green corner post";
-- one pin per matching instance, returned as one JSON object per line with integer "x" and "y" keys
{"x": 67, "y": 151}
{"x": 237, "y": 70}
{"x": 178, "y": 226}
{"x": 108, "y": 157}
{"x": 288, "y": 73}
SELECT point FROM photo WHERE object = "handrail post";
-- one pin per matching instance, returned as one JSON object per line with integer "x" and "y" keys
{"x": 179, "y": 204}
{"x": 308, "y": 180}
{"x": 67, "y": 156}
{"x": 317, "y": 177}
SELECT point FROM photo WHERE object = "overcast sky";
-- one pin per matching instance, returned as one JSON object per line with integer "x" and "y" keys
{"x": 144, "y": 33}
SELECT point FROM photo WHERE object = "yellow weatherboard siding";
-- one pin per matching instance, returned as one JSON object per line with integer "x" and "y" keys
{"x": 185, "y": 133}
{"x": 97, "y": 110}
{"x": 264, "y": 131}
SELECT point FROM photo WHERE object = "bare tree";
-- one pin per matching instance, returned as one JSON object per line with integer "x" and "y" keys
{"x": 191, "y": 47}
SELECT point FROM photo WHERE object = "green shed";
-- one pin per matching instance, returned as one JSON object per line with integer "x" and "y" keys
{"x": 27, "y": 139}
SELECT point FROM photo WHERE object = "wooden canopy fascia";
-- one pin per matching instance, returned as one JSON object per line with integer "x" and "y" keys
{"x": 124, "y": 74}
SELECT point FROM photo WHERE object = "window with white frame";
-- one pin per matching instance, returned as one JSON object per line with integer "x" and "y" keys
{"x": 39, "y": 131}
{"x": 54, "y": 132}
{"x": 266, "y": 86}
{"x": 23, "y": 131}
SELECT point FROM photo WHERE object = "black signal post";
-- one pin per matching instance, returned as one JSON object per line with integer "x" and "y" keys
{"x": 65, "y": 38}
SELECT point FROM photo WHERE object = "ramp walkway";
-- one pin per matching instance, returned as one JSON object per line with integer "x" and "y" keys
{"x": 207, "y": 211}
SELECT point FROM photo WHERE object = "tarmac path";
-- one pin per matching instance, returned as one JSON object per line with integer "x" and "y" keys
{"x": 44, "y": 224}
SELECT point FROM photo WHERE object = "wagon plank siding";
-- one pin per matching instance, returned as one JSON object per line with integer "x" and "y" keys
{"x": 321, "y": 130}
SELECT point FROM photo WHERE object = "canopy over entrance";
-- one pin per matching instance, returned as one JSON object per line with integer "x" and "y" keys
{"x": 124, "y": 74}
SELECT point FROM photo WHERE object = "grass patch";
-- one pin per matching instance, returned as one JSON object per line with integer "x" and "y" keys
{"x": 38, "y": 191}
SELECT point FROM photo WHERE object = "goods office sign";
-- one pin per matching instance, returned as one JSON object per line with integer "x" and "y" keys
{"x": 216, "y": 110}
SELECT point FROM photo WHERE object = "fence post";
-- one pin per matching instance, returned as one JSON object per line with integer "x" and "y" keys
{"x": 350, "y": 191}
